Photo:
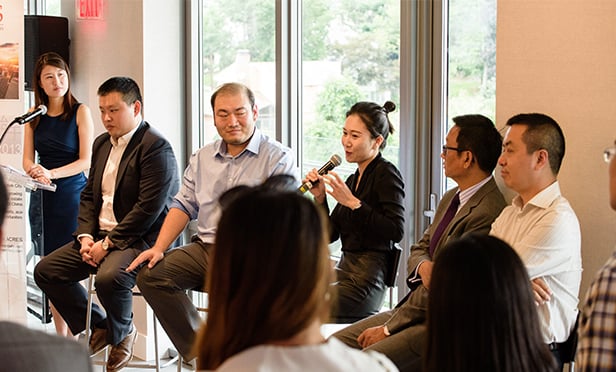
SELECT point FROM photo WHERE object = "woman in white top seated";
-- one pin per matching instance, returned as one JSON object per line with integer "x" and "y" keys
{"x": 269, "y": 289}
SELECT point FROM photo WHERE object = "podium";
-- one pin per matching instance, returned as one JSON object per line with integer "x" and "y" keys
{"x": 37, "y": 303}
{"x": 18, "y": 177}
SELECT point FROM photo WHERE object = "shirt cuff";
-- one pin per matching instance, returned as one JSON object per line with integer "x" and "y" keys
{"x": 83, "y": 236}
{"x": 386, "y": 331}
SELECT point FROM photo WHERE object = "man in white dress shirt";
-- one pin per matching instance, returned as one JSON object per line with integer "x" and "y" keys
{"x": 540, "y": 224}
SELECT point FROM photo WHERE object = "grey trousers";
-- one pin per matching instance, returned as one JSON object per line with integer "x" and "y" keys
{"x": 164, "y": 288}
{"x": 404, "y": 348}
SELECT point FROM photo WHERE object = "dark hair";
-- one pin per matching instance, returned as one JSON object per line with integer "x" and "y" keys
{"x": 233, "y": 88}
{"x": 276, "y": 266}
{"x": 481, "y": 311}
{"x": 126, "y": 86}
{"x": 479, "y": 135}
{"x": 375, "y": 118}
{"x": 40, "y": 97}
{"x": 542, "y": 132}
{"x": 4, "y": 200}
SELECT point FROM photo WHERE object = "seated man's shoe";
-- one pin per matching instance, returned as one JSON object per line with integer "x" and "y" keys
{"x": 122, "y": 353}
{"x": 98, "y": 340}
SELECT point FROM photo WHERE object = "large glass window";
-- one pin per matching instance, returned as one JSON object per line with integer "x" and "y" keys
{"x": 471, "y": 77}
{"x": 434, "y": 60}
{"x": 350, "y": 53}
{"x": 238, "y": 44}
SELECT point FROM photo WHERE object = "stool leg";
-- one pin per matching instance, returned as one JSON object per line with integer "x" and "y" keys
{"x": 89, "y": 310}
{"x": 156, "y": 356}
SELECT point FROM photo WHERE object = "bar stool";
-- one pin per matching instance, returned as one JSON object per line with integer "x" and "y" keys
{"x": 157, "y": 365}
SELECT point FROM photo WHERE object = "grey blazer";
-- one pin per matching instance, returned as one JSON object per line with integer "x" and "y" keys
{"x": 27, "y": 350}
{"x": 476, "y": 215}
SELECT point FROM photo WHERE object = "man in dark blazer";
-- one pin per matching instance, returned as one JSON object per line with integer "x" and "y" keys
{"x": 469, "y": 156}
{"x": 24, "y": 350}
{"x": 132, "y": 180}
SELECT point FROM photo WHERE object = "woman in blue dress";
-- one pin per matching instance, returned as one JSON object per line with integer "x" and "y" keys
{"x": 63, "y": 140}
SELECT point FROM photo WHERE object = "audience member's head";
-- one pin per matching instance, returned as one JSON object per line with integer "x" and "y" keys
{"x": 541, "y": 132}
{"x": 490, "y": 326}
{"x": 610, "y": 157}
{"x": 375, "y": 117}
{"x": 270, "y": 272}
{"x": 478, "y": 135}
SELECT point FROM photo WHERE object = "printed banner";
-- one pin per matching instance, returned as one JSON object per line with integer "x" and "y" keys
{"x": 14, "y": 243}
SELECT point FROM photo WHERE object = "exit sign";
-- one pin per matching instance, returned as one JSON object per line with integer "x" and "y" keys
{"x": 89, "y": 9}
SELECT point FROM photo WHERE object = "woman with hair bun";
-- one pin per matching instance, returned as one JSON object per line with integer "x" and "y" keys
{"x": 369, "y": 216}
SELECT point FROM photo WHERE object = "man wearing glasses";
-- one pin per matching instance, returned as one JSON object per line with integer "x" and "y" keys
{"x": 597, "y": 330}
{"x": 469, "y": 157}
{"x": 540, "y": 224}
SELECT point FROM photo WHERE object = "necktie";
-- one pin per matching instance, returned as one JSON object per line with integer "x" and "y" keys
{"x": 445, "y": 221}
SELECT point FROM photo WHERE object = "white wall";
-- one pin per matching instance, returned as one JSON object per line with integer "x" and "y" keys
{"x": 559, "y": 57}
{"x": 142, "y": 40}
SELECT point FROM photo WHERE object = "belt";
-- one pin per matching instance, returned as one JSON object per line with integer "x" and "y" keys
{"x": 554, "y": 346}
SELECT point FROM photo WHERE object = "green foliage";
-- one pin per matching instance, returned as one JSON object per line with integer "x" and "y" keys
{"x": 336, "y": 99}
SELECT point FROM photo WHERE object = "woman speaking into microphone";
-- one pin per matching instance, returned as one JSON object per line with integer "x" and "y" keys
{"x": 369, "y": 216}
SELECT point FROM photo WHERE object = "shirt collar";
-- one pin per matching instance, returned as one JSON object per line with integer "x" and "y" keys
{"x": 469, "y": 192}
{"x": 253, "y": 145}
{"x": 543, "y": 199}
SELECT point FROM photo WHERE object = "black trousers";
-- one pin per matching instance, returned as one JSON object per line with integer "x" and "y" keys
{"x": 59, "y": 274}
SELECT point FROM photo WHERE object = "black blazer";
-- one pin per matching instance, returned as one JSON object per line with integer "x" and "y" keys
{"x": 146, "y": 182}
{"x": 379, "y": 222}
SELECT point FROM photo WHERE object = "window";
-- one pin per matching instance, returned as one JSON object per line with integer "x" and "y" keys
{"x": 471, "y": 79}
{"x": 308, "y": 61}
{"x": 350, "y": 53}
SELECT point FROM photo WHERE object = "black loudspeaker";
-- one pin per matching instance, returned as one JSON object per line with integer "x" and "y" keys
{"x": 43, "y": 34}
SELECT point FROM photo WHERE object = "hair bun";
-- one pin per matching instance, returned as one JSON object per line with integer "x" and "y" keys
{"x": 389, "y": 106}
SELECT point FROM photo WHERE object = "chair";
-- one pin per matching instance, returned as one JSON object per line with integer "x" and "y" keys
{"x": 392, "y": 274}
{"x": 157, "y": 365}
{"x": 568, "y": 348}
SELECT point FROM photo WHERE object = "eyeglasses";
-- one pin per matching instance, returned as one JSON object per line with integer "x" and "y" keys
{"x": 445, "y": 148}
{"x": 609, "y": 153}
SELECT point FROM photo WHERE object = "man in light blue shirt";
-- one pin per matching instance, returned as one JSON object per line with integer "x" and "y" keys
{"x": 243, "y": 156}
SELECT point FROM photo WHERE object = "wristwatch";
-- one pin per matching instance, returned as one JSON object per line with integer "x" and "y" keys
{"x": 105, "y": 244}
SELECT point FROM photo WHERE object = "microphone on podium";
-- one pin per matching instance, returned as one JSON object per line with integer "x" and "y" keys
{"x": 332, "y": 163}
{"x": 28, "y": 116}
{"x": 23, "y": 119}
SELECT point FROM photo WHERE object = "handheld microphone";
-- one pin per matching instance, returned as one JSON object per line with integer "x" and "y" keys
{"x": 332, "y": 163}
{"x": 28, "y": 116}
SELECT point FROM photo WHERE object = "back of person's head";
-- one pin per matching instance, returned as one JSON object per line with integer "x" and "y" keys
{"x": 542, "y": 132}
{"x": 479, "y": 135}
{"x": 40, "y": 97}
{"x": 375, "y": 117}
{"x": 4, "y": 200}
{"x": 270, "y": 272}
{"x": 233, "y": 89}
{"x": 481, "y": 313}
{"x": 127, "y": 87}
